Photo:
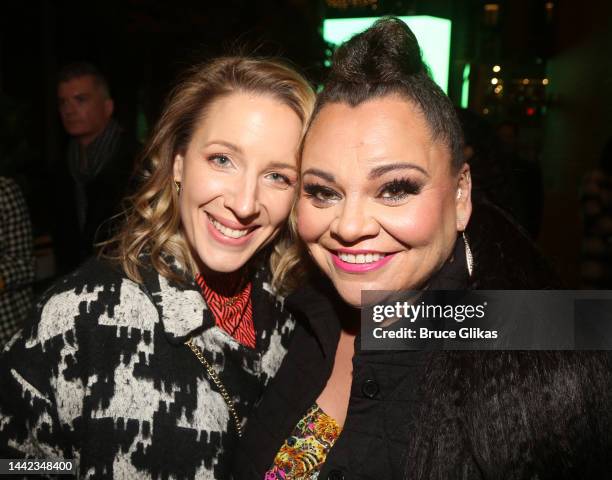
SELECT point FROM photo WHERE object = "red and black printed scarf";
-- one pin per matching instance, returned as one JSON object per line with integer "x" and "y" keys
{"x": 230, "y": 302}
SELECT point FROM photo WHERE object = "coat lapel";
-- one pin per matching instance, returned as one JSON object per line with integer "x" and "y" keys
{"x": 181, "y": 307}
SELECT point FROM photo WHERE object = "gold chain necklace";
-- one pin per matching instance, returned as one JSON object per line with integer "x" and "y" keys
{"x": 212, "y": 374}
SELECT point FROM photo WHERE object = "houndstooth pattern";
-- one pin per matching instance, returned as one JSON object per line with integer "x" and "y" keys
{"x": 100, "y": 374}
{"x": 16, "y": 261}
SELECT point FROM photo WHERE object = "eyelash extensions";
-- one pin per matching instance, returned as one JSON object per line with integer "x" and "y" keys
{"x": 315, "y": 192}
{"x": 393, "y": 191}
{"x": 399, "y": 189}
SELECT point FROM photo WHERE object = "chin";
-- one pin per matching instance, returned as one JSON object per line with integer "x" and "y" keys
{"x": 226, "y": 259}
{"x": 351, "y": 294}
{"x": 353, "y": 302}
{"x": 213, "y": 260}
{"x": 222, "y": 259}
{"x": 225, "y": 266}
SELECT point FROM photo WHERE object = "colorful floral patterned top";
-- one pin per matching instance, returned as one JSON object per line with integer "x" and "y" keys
{"x": 303, "y": 453}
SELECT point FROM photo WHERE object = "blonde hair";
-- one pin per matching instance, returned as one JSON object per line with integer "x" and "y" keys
{"x": 291, "y": 264}
{"x": 152, "y": 222}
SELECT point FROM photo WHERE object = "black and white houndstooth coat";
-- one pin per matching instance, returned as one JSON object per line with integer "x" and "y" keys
{"x": 102, "y": 375}
{"x": 16, "y": 260}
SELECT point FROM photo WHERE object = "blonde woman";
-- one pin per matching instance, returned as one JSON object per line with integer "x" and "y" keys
{"x": 145, "y": 363}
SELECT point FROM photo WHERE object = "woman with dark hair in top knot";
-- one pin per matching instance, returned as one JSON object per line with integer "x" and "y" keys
{"x": 385, "y": 204}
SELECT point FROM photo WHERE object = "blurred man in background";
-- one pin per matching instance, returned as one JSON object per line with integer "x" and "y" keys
{"x": 94, "y": 177}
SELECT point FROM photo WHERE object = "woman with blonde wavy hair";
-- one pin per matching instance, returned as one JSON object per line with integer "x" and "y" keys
{"x": 145, "y": 362}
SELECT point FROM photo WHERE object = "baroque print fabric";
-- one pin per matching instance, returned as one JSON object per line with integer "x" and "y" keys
{"x": 102, "y": 375}
{"x": 303, "y": 453}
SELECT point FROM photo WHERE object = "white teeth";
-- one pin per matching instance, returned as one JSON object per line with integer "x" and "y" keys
{"x": 228, "y": 232}
{"x": 361, "y": 257}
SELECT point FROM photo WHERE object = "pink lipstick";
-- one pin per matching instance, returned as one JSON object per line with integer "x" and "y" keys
{"x": 224, "y": 239}
{"x": 351, "y": 267}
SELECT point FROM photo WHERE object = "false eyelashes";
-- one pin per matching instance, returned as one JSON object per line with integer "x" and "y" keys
{"x": 399, "y": 189}
{"x": 320, "y": 193}
{"x": 393, "y": 191}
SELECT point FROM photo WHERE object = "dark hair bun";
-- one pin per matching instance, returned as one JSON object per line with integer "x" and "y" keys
{"x": 385, "y": 60}
{"x": 386, "y": 52}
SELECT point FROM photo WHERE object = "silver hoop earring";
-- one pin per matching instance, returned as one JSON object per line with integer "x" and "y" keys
{"x": 468, "y": 255}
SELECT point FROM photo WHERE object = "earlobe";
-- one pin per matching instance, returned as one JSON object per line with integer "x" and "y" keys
{"x": 177, "y": 168}
{"x": 463, "y": 199}
{"x": 110, "y": 107}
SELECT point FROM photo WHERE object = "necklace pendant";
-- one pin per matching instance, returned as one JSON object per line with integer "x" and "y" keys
{"x": 226, "y": 303}
{"x": 232, "y": 301}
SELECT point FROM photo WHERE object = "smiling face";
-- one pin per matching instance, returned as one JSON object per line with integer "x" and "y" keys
{"x": 237, "y": 176}
{"x": 380, "y": 205}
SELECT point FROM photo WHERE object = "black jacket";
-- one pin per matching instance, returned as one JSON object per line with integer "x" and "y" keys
{"x": 100, "y": 374}
{"x": 104, "y": 192}
{"x": 422, "y": 414}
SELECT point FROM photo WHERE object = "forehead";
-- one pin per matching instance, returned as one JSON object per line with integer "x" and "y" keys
{"x": 250, "y": 121}
{"x": 85, "y": 84}
{"x": 381, "y": 130}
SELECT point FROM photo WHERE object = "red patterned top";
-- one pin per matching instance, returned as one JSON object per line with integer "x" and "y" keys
{"x": 230, "y": 303}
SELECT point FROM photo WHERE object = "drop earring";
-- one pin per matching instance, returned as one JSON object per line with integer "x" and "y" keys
{"x": 177, "y": 185}
{"x": 468, "y": 255}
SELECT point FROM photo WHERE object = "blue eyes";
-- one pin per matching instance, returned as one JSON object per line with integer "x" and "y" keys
{"x": 220, "y": 161}
{"x": 278, "y": 177}
{"x": 224, "y": 162}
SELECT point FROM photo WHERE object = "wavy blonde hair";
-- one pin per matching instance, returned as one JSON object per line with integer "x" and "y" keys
{"x": 151, "y": 223}
{"x": 290, "y": 262}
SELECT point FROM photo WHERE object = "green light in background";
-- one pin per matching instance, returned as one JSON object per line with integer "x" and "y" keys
{"x": 465, "y": 86}
{"x": 433, "y": 34}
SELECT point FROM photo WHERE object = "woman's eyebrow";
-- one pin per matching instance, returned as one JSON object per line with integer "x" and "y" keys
{"x": 282, "y": 165}
{"x": 379, "y": 171}
{"x": 320, "y": 173}
{"x": 229, "y": 145}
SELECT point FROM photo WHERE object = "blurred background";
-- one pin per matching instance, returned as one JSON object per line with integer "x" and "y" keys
{"x": 532, "y": 81}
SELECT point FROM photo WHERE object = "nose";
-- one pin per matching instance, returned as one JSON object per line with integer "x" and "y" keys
{"x": 354, "y": 223}
{"x": 243, "y": 199}
{"x": 66, "y": 109}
